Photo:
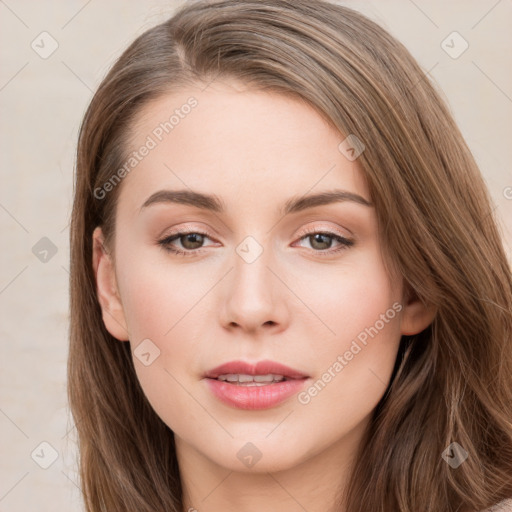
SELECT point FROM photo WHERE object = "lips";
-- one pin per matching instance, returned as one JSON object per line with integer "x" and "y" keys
{"x": 261, "y": 385}
{"x": 260, "y": 368}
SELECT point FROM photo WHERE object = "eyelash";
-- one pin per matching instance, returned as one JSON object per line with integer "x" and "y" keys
{"x": 345, "y": 243}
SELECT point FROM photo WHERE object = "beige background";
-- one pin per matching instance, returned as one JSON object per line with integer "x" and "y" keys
{"x": 42, "y": 101}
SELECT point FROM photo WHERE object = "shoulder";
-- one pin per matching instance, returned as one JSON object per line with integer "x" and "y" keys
{"x": 504, "y": 506}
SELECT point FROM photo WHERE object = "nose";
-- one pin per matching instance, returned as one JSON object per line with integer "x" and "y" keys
{"x": 254, "y": 299}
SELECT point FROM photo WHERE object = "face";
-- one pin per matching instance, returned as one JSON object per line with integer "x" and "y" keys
{"x": 258, "y": 274}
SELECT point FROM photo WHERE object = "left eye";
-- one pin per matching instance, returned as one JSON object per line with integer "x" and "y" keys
{"x": 191, "y": 242}
{"x": 323, "y": 240}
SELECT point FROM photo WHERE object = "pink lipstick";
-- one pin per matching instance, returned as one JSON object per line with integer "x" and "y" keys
{"x": 249, "y": 386}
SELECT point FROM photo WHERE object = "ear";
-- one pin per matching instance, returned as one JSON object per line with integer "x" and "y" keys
{"x": 106, "y": 288}
{"x": 417, "y": 315}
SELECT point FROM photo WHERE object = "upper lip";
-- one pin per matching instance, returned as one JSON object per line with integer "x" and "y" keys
{"x": 259, "y": 368}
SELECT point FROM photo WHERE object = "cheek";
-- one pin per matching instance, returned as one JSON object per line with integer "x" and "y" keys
{"x": 154, "y": 295}
{"x": 349, "y": 300}
{"x": 356, "y": 355}
{"x": 161, "y": 310}
{"x": 157, "y": 311}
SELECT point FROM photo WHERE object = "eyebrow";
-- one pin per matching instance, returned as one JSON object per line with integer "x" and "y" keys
{"x": 213, "y": 203}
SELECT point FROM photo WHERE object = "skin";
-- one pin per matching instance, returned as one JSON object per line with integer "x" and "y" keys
{"x": 254, "y": 150}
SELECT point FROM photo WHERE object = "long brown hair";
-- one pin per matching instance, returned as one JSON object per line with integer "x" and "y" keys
{"x": 452, "y": 382}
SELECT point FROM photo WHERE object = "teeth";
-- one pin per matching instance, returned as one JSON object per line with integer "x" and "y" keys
{"x": 265, "y": 378}
{"x": 251, "y": 380}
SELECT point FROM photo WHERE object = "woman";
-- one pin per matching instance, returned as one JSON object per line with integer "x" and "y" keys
{"x": 287, "y": 284}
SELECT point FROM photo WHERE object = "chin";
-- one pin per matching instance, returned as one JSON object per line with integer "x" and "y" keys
{"x": 259, "y": 455}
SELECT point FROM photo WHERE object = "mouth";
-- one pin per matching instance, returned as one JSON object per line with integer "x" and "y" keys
{"x": 251, "y": 380}
{"x": 254, "y": 386}
{"x": 262, "y": 372}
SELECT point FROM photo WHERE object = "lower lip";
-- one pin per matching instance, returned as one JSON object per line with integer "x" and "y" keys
{"x": 255, "y": 397}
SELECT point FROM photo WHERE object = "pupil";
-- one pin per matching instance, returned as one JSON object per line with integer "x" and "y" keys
{"x": 318, "y": 237}
{"x": 192, "y": 238}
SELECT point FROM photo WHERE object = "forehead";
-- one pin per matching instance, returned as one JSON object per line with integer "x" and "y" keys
{"x": 238, "y": 143}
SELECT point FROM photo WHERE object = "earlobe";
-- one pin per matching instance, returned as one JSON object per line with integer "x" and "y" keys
{"x": 416, "y": 316}
{"x": 107, "y": 290}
